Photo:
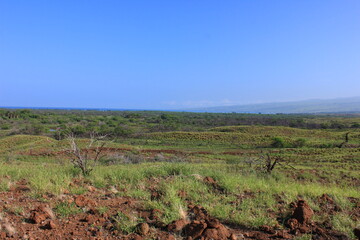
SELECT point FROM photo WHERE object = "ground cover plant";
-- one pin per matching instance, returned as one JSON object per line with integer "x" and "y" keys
{"x": 180, "y": 176}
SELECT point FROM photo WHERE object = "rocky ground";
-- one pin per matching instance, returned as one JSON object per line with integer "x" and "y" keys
{"x": 103, "y": 214}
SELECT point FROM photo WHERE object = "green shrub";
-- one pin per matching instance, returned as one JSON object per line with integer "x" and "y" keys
{"x": 5, "y": 126}
{"x": 278, "y": 142}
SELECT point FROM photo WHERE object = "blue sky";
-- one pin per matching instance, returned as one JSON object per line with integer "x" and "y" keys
{"x": 177, "y": 54}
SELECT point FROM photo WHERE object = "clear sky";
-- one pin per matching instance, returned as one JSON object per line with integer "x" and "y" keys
{"x": 154, "y": 54}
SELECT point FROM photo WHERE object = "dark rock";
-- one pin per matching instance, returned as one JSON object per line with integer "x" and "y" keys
{"x": 302, "y": 213}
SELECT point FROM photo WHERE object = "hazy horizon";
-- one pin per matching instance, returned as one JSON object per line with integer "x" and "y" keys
{"x": 195, "y": 109}
{"x": 178, "y": 54}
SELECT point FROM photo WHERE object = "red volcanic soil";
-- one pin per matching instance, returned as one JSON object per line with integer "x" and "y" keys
{"x": 25, "y": 217}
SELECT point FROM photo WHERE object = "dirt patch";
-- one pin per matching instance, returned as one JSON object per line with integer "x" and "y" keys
{"x": 82, "y": 201}
{"x": 214, "y": 184}
{"x": 302, "y": 212}
{"x": 328, "y": 205}
{"x": 301, "y": 222}
{"x": 182, "y": 194}
{"x": 199, "y": 224}
{"x": 40, "y": 214}
{"x": 20, "y": 186}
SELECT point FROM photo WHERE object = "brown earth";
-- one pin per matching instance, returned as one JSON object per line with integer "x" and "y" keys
{"x": 97, "y": 217}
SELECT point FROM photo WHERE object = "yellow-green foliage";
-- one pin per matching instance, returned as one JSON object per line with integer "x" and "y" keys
{"x": 222, "y": 137}
{"x": 274, "y": 131}
{"x": 22, "y": 142}
{"x": 316, "y": 171}
{"x": 256, "y": 136}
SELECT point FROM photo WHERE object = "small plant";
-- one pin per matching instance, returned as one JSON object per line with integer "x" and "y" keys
{"x": 102, "y": 209}
{"x": 133, "y": 158}
{"x": 78, "y": 190}
{"x": 5, "y": 126}
{"x": 10, "y": 157}
{"x": 159, "y": 158}
{"x": 124, "y": 223}
{"x": 177, "y": 159}
{"x": 16, "y": 210}
{"x": 66, "y": 209}
{"x": 114, "y": 159}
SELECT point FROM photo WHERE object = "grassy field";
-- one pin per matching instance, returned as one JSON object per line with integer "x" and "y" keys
{"x": 221, "y": 168}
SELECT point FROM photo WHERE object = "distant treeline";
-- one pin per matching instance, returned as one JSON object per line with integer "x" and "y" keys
{"x": 131, "y": 123}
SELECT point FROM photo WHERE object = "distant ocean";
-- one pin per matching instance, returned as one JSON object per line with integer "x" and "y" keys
{"x": 86, "y": 109}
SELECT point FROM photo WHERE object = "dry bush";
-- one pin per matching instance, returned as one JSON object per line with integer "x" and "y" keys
{"x": 86, "y": 158}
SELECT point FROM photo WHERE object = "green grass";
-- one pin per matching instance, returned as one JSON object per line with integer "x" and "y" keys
{"x": 126, "y": 223}
{"x": 223, "y": 153}
{"x": 64, "y": 209}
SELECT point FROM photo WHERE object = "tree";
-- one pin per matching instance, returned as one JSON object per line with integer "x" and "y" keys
{"x": 86, "y": 158}
{"x": 270, "y": 164}
{"x": 267, "y": 162}
{"x": 346, "y": 140}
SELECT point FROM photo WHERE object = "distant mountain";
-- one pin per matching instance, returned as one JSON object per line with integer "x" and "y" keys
{"x": 340, "y": 105}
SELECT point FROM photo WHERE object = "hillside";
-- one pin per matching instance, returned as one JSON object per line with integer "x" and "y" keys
{"x": 340, "y": 105}
{"x": 161, "y": 174}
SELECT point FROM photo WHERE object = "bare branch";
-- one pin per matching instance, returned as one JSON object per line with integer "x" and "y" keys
{"x": 82, "y": 157}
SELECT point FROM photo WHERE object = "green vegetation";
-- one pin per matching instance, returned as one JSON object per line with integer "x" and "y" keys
{"x": 66, "y": 209}
{"x": 124, "y": 223}
{"x": 174, "y": 152}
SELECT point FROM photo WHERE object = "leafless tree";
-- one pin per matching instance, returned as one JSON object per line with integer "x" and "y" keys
{"x": 272, "y": 161}
{"x": 267, "y": 162}
{"x": 86, "y": 158}
{"x": 346, "y": 140}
